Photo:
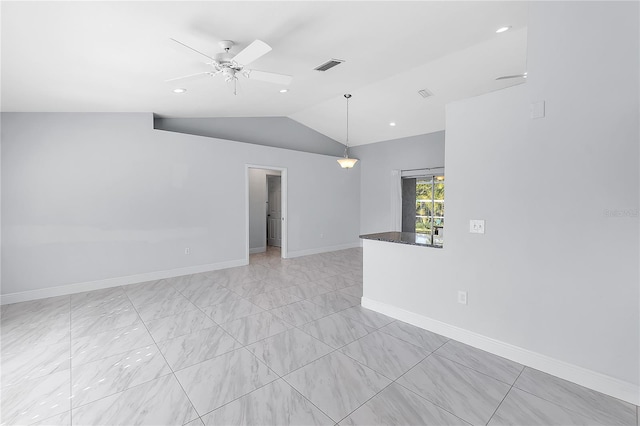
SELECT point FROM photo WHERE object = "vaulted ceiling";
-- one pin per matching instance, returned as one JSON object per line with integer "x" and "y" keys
{"x": 116, "y": 56}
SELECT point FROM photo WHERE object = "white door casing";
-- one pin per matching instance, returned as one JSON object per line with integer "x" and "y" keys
{"x": 284, "y": 248}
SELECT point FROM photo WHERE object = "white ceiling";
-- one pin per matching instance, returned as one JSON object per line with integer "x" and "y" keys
{"x": 116, "y": 56}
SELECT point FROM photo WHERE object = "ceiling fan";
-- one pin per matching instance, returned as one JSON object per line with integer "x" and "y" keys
{"x": 230, "y": 65}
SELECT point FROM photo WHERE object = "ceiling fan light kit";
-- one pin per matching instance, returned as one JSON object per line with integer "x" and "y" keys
{"x": 346, "y": 162}
{"x": 231, "y": 65}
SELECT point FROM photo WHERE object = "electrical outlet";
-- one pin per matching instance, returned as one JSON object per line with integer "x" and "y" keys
{"x": 476, "y": 226}
{"x": 187, "y": 250}
{"x": 462, "y": 297}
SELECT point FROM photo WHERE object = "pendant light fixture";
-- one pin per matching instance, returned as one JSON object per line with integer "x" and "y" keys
{"x": 346, "y": 162}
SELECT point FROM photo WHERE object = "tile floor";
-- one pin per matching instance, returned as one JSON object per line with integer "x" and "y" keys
{"x": 273, "y": 343}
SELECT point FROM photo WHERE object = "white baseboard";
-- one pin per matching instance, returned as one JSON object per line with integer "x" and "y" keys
{"x": 300, "y": 253}
{"x": 62, "y": 290}
{"x": 255, "y": 250}
{"x": 593, "y": 380}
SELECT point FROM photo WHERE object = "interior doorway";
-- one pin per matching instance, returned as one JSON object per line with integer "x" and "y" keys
{"x": 266, "y": 210}
{"x": 274, "y": 210}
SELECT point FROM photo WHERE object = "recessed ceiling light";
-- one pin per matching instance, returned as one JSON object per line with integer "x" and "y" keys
{"x": 179, "y": 90}
{"x": 392, "y": 124}
{"x": 503, "y": 29}
{"x": 284, "y": 90}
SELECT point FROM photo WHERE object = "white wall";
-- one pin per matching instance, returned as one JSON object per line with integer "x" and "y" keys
{"x": 90, "y": 197}
{"x": 555, "y": 274}
{"x": 377, "y": 162}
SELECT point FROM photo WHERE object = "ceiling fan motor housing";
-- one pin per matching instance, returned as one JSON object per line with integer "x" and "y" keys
{"x": 226, "y": 45}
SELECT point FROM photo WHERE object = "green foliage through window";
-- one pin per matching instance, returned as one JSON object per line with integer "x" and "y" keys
{"x": 430, "y": 207}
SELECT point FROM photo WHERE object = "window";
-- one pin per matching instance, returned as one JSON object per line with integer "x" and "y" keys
{"x": 423, "y": 207}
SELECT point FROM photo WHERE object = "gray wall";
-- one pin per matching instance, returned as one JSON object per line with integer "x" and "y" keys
{"x": 279, "y": 132}
{"x": 95, "y": 196}
{"x": 378, "y": 160}
{"x": 557, "y": 271}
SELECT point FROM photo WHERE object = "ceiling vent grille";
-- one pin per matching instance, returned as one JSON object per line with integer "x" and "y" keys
{"x": 425, "y": 93}
{"x": 328, "y": 65}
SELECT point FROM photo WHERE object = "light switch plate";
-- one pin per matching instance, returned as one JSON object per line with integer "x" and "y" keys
{"x": 476, "y": 226}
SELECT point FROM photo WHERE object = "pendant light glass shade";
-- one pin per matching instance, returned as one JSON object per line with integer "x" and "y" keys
{"x": 346, "y": 162}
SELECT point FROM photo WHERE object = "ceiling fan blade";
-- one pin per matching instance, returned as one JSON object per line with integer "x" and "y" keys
{"x": 270, "y": 77}
{"x": 198, "y": 74}
{"x": 507, "y": 77}
{"x": 252, "y": 52}
{"x": 191, "y": 48}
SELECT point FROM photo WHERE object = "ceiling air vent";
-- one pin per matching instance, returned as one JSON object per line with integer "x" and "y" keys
{"x": 424, "y": 93}
{"x": 328, "y": 65}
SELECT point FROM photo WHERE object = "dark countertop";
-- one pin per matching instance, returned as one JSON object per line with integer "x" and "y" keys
{"x": 401, "y": 238}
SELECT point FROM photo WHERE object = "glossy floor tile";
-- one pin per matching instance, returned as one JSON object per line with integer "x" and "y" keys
{"x": 98, "y": 346}
{"x": 36, "y": 399}
{"x": 604, "y": 409}
{"x": 289, "y": 350}
{"x": 492, "y": 365}
{"x": 158, "y": 402}
{"x": 166, "y": 308}
{"x": 354, "y": 290}
{"x": 150, "y": 292}
{"x": 22, "y": 335}
{"x": 522, "y": 408}
{"x": 464, "y": 392}
{"x": 275, "y": 342}
{"x": 336, "y": 330}
{"x": 178, "y": 325}
{"x": 217, "y": 381}
{"x": 108, "y": 376}
{"x": 34, "y": 311}
{"x": 196, "y": 347}
{"x": 255, "y": 327}
{"x": 100, "y": 302}
{"x": 300, "y": 313}
{"x": 62, "y": 419}
{"x": 232, "y": 310}
{"x": 385, "y": 354}
{"x": 336, "y": 282}
{"x": 366, "y": 316}
{"x": 88, "y": 325}
{"x": 25, "y": 363}
{"x": 308, "y": 290}
{"x": 274, "y": 404}
{"x": 337, "y": 384}
{"x": 335, "y": 301}
{"x": 212, "y": 295}
{"x": 415, "y": 335}
{"x": 274, "y": 299}
{"x": 396, "y": 405}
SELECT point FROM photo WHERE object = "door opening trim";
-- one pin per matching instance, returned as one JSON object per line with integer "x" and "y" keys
{"x": 284, "y": 250}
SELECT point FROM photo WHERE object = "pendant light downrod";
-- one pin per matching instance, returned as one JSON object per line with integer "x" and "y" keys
{"x": 346, "y": 162}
